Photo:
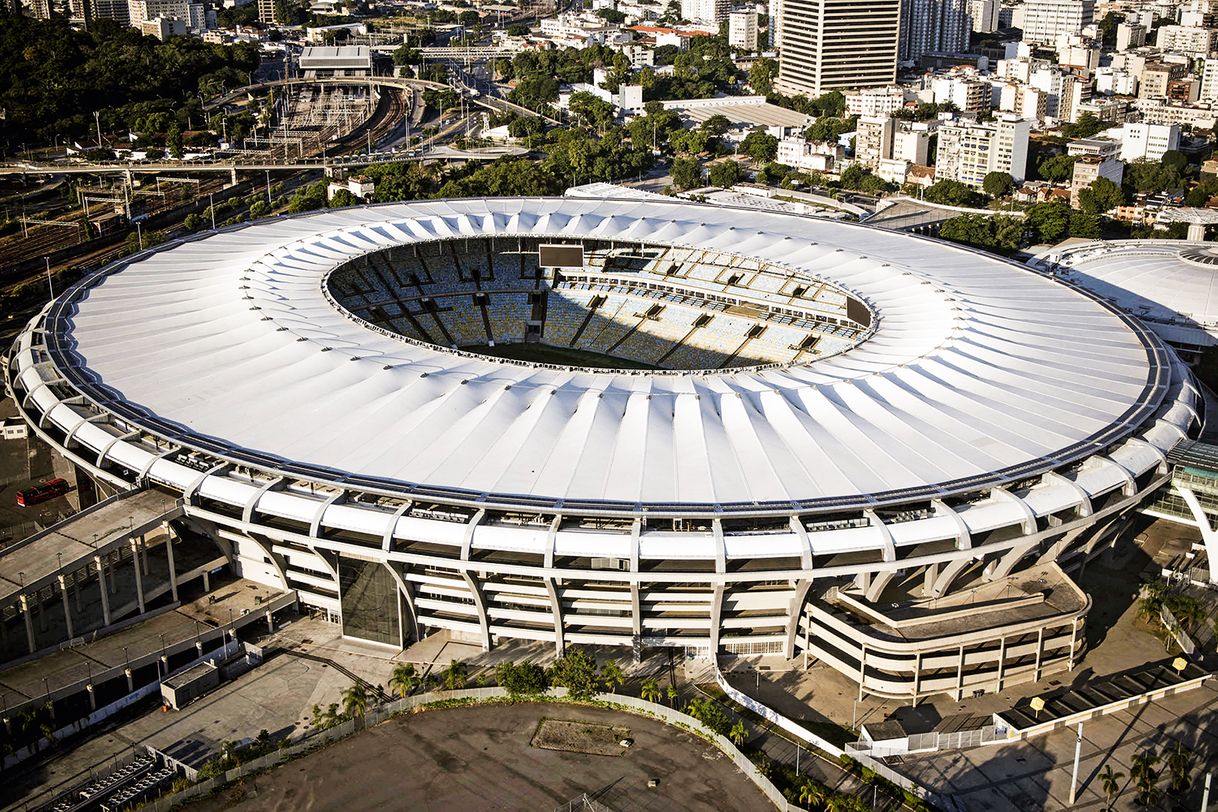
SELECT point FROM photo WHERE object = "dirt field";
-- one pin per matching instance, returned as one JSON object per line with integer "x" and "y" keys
{"x": 481, "y": 758}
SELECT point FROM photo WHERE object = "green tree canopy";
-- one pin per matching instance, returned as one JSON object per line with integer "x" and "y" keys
{"x": 1102, "y": 195}
{"x": 998, "y": 184}
{"x": 724, "y": 174}
{"x": 686, "y": 173}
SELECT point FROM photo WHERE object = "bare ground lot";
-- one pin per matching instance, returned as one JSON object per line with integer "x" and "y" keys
{"x": 480, "y": 758}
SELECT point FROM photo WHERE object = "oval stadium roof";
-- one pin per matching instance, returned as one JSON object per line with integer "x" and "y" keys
{"x": 978, "y": 371}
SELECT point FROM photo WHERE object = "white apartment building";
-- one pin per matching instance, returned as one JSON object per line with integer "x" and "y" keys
{"x": 933, "y": 26}
{"x": 969, "y": 93}
{"x": 1129, "y": 36}
{"x": 1193, "y": 41}
{"x": 1161, "y": 111}
{"x": 192, "y": 14}
{"x": 1064, "y": 92}
{"x": 875, "y": 101}
{"x": 970, "y": 150}
{"x": 1148, "y": 141}
{"x": 984, "y": 14}
{"x": 708, "y": 12}
{"x": 1209, "y": 81}
{"x": 873, "y": 139}
{"x": 1025, "y": 101}
{"x": 1044, "y": 21}
{"x": 742, "y": 29}
{"x": 808, "y": 156}
{"x": 837, "y": 44}
{"x": 1111, "y": 82}
{"x": 1088, "y": 169}
{"x": 881, "y": 138}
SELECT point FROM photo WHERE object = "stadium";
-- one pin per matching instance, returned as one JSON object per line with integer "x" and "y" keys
{"x": 630, "y": 423}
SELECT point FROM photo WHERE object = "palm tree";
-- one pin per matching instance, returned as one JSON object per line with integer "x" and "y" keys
{"x": 1179, "y": 764}
{"x": 811, "y": 793}
{"x": 612, "y": 675}
{"x": 1110, "y": 779}
{"x": 649, "y": 691}
{"x": 404, "y": 679}
{"x": 331, "y": 718}
{"x": 844, "y": 802}
{"x": 228, "y": 753}
{"x": 739, "y": 733}
{"x": 671, "y": 694}
{"x": 355, "y": 700}
{"x": 1145, "y": 776}
{"x": 455, "y": 675}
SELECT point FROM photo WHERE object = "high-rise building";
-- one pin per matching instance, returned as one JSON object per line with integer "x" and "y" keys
{"x": 932, "y": 27}
{"x": 833, "y": 44}
{"x": 742, "y": 29}
{"x": 970, "y": 150}
{"x": 984, "y": 14}
{"x": 873, "y": 139}
{"x": 116, "y": 10}
{"x": 1046, "y": 20}
{"x": 707, "y": 12}
{"x": 1148, "y": 142}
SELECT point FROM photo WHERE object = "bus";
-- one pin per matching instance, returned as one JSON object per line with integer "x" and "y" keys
{"x": 42, "y": 492}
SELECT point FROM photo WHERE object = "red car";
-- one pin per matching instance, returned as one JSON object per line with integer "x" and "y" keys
{"x": 42, "y": 492}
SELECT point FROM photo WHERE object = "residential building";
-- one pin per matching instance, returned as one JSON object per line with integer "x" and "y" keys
{"x": 1024, "y": 101}
{"x": 193, "y": 14}
{"x": 875, "y": 101}
{"x": 1209, "y": 80}
{"x": 707, "y": 12}
{"x": 970, "y": 150}
{"x": 1195, "y": 42}
{"x": 1113, "y": 109}
{"x": 163, "y": 28}
{"x": 837, "y": 44}
{"x": 873, "y": 140}
{"x": 967, "y": 92}
{"x": 1111, "y": 82}
{"x": 933, "y": 26}
{"x": 1088, "y": 169}
{"x": 911, "y": 141}
{"x": 116, "y": 10}
{"x": 1155, "y": 76}
{"x": 1162, "y": 111}
{"x": 1129, "y": 36}
{"x": 1094, "y": 148}
{"x": 1045, "y": 21}
{"x": 808, "y": 156}
{"x": 984, "y": 14}
{"x": 1148, "y": 142}
{"x": 742, "y": 29}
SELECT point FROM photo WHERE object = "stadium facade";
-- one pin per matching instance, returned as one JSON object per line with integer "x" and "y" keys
{"x": 869, "y": 448}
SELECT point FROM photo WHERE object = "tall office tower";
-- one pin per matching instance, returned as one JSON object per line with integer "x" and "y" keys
{"x": 1046, "y": 20}
{"x": 831, "y": 44}
{"x": 984, "y": 14}
{"x": 933, "y": 26}
{"x": 706, "y": 12}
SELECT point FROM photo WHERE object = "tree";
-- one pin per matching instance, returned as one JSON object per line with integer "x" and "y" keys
{"x": 1056, "y": 168}
{"x": 716, "y": 125}
{"x": 670, "y": 693}
{"x": 355, "y": 700}
{"x": 951, "y": 193}
{"x": 612, "y": 676}
{"x": 1048, "y": 222}
{"x": 686, "y": 173}
{"x": 404, "y": 679}
{"x": 998, "y": 184}
{"x": 724, "y": 174}
{"x": 1179, "y": 765}
{"x": 593, "y": 112}
{"x": 1110, "y": 780}
{"x": 1088, "y": 124}
{"x": 1100, "y": 196}
{"x": 649, "y": 691}
{"x": 522, "y": 679}
{"x": 1175, "y": 160}
{"x": 991, "y": 233}
{"x": 455, "y": 675}
{"x": 575, "y": 671}
{"x": 811, "y": 794}
{"x": 1143, "y": 770}
{"x": 762, "y": 75}
{"x": 739, "y": 734}
{"x": 760, "y": 146}
{"x": 343, "y": 198}
{"x": 174, "y": 141}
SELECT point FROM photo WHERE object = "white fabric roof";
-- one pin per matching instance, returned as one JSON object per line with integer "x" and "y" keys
{"x": 976, "y": 366}
{"x": 1176, "y": 296}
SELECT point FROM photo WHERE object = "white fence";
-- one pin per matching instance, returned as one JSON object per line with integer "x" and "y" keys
{"x": 381, "y": 713}
{"x": 930, "y": 742}
{"x": 794, "y": 728}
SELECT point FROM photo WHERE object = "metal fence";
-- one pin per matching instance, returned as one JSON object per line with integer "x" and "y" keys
{"x": 380, "y": 713}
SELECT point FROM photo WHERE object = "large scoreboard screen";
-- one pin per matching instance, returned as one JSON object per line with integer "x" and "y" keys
{"x": 560, "y": 256}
